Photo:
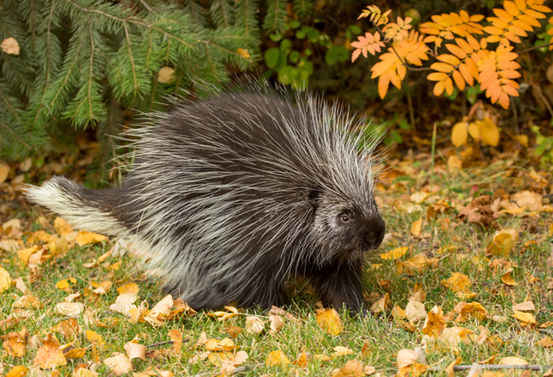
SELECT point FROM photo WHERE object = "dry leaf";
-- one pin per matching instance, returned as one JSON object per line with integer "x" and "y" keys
{"x": 5, "y": 280}
{"x": 223, "y": 345}
{"x": 329, "y": 320}
{"x": 70, "y": 309}
{"x": 176, "y": 337}
{"x": 454, "y": 163}
{"x": 95, "y": 338}
{"x": 452, "y": 336}
{"x": 459, "y": 134}
{"x": 341, "y": 351}
{"x": 49, "y": 355}
{"x": 166, "y": 75}
{"x": 276, "y": 358}
{"x": 394, "y": 254}
{"x": 416, "y": 227}
{"x": 10, "y": 46}
{"x": 276, "y": 323}
{"x": 254, "y": 325}
{"x": 4, "y": 171}
{"x": 528, "y": 199}
{"x": 381, "y": 304}
{"x": 124, "y": 303}
{"x": 84, "y": 372}
{"x": 435, "y": 322}
{"x": 17, "y": 371}
{"x": 546, "y": 342}
{"x": 415, "y": 311}
{"x": 503, "y": 242}
{"x": 135, "y": 350}
{"x": 525, "y": 318}
{"x": 119, "y": 364}
{"x": 160, "y": 311}
{"x": 471, "y": 309}
{"x": 406, "y": 357}
{"x": 353, "y": 368}
{"x": 513, "y": 360}
{"x": 15, "y": 343}
{"x": 86, "y": 238}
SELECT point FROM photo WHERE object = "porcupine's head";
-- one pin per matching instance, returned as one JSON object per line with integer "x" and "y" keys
{"x": 346, "y": 222}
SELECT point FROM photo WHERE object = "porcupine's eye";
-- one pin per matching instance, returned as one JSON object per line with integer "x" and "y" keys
{"x": 345, "y": 217}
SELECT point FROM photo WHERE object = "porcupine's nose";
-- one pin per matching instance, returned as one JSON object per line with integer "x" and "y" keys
{"x": 375, "y": 229}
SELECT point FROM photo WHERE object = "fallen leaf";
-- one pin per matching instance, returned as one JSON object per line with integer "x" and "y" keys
{"x": 166, "y": 75}
{"x": 4, "y": 171}
{"x": 17, "y": 371}
{"x": 254, "y": 325}
{"x": 15, "y": 343}
{"x": 135, "y": 350}
{"x": 406, "y": 357}
{"x": 119, "y": 364}
{"x": 49, "y": 355}
{"x": 466, "y": 310}
{"x": 5, "y": 280}
{"x": 394, "y": 254}
{"x": 70, "y": 309}
{"x": 526, "y": 306}
{"x": 95, "y": 338}
{"x": 61, "y": 226}
{"x": 528, "y": 199}
{"x": 435, "y": 322}
{"x": 160, "y": 311}
{"x": 10, "y": 46}
{"x": 503, "y": 242}
{"x": 303, "y": 360}
{"x": 176, "y": 337}
{"x": 546, "y": 342}
{"x": 276, "y": 323}
{"x": 276, "y": 358}
{"x": 513, "y": 360}
{"x": 525, "y": 318}
{"x": 352, "y": 368}
{"x": 416, "y": 227}
{"x": 329, "y": 320}
{"x": 84, "y": 372}
{"x": 86, "y": 238}
{"x": 381, "y": 305}
{"x": 415, "y": 311}
{"x": 459, "y": 134}
{"x": 216, "y": 345}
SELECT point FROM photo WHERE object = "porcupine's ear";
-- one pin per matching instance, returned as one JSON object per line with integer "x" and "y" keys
{"x": 313, "y": 197}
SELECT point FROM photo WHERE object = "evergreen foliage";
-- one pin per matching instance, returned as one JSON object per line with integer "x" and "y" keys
{"x": 78, "y": 56}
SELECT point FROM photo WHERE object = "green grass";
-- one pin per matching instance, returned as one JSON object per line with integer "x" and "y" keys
{"x": 380, "y": 334}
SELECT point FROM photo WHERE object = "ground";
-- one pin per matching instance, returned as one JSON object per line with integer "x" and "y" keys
{"x": 463, "y": 276}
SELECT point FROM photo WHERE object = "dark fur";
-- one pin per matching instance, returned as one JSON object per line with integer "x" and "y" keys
{"x": 181, "y": 176}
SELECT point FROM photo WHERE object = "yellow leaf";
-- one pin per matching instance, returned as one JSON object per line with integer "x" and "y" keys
{"x": 243, "y": 53}
{"x": 329, "y": 320}
{"x": 435, "y": 322}
{"x": 416, "y": 227}
{"x": 503, "y": 242}
{"x": 95, "y": 338}
{"x": 394, "y": 254}
{"x": 474, "y": 131}
{"x": 459, "y": 134}
{"x": 131, "y": 288}
{"x": 489, "y": 133}
{"x": 529, "y": 200}
{"x": 223, "y": 345}
{"x": 525, "y": 318}
{"x": 61, "y": 226}
{"x": 546, "y": 342}
{"x": 457, "y": 282}
{"x": 512, "y": 360}
{"x": 471, "y": 309}
{"x": 10, "y": 46}
{"x": 507, "y": 279}
{"x": 454, "y": 163}
{"x": 353, "y": 368}
{"x": 276, "y": 358}
{"x": 526, "y": 306}
{"x": 166, "y": 75}
{"x": 15, "y": 343}
{"x": 119, "y": 364}
{"x": 85, "y": 238}
{"x": 17, "y": 371}
{"x": 5, "y": 280}
{"x": 75, "y": 353}
{"x": 49, "y": 355}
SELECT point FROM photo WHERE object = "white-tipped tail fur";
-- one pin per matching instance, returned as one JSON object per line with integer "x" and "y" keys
{"x": 61, "y": 196}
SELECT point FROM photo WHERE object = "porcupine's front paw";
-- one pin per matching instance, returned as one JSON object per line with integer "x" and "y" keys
{"x": 341, "y": 287}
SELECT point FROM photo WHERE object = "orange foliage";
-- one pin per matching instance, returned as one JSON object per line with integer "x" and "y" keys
{"x": 476, "y": 53}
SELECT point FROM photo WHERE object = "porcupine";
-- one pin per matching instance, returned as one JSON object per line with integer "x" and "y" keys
{"x": 232, "y": 196}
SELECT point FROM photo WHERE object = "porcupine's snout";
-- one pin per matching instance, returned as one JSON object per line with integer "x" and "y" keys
{"x": 374, "y": 229}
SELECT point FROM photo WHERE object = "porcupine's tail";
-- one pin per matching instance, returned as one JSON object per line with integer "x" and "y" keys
{"x": 93, "y": 210}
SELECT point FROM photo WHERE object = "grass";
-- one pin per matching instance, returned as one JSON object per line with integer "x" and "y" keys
{"x": 375, "y": 339}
